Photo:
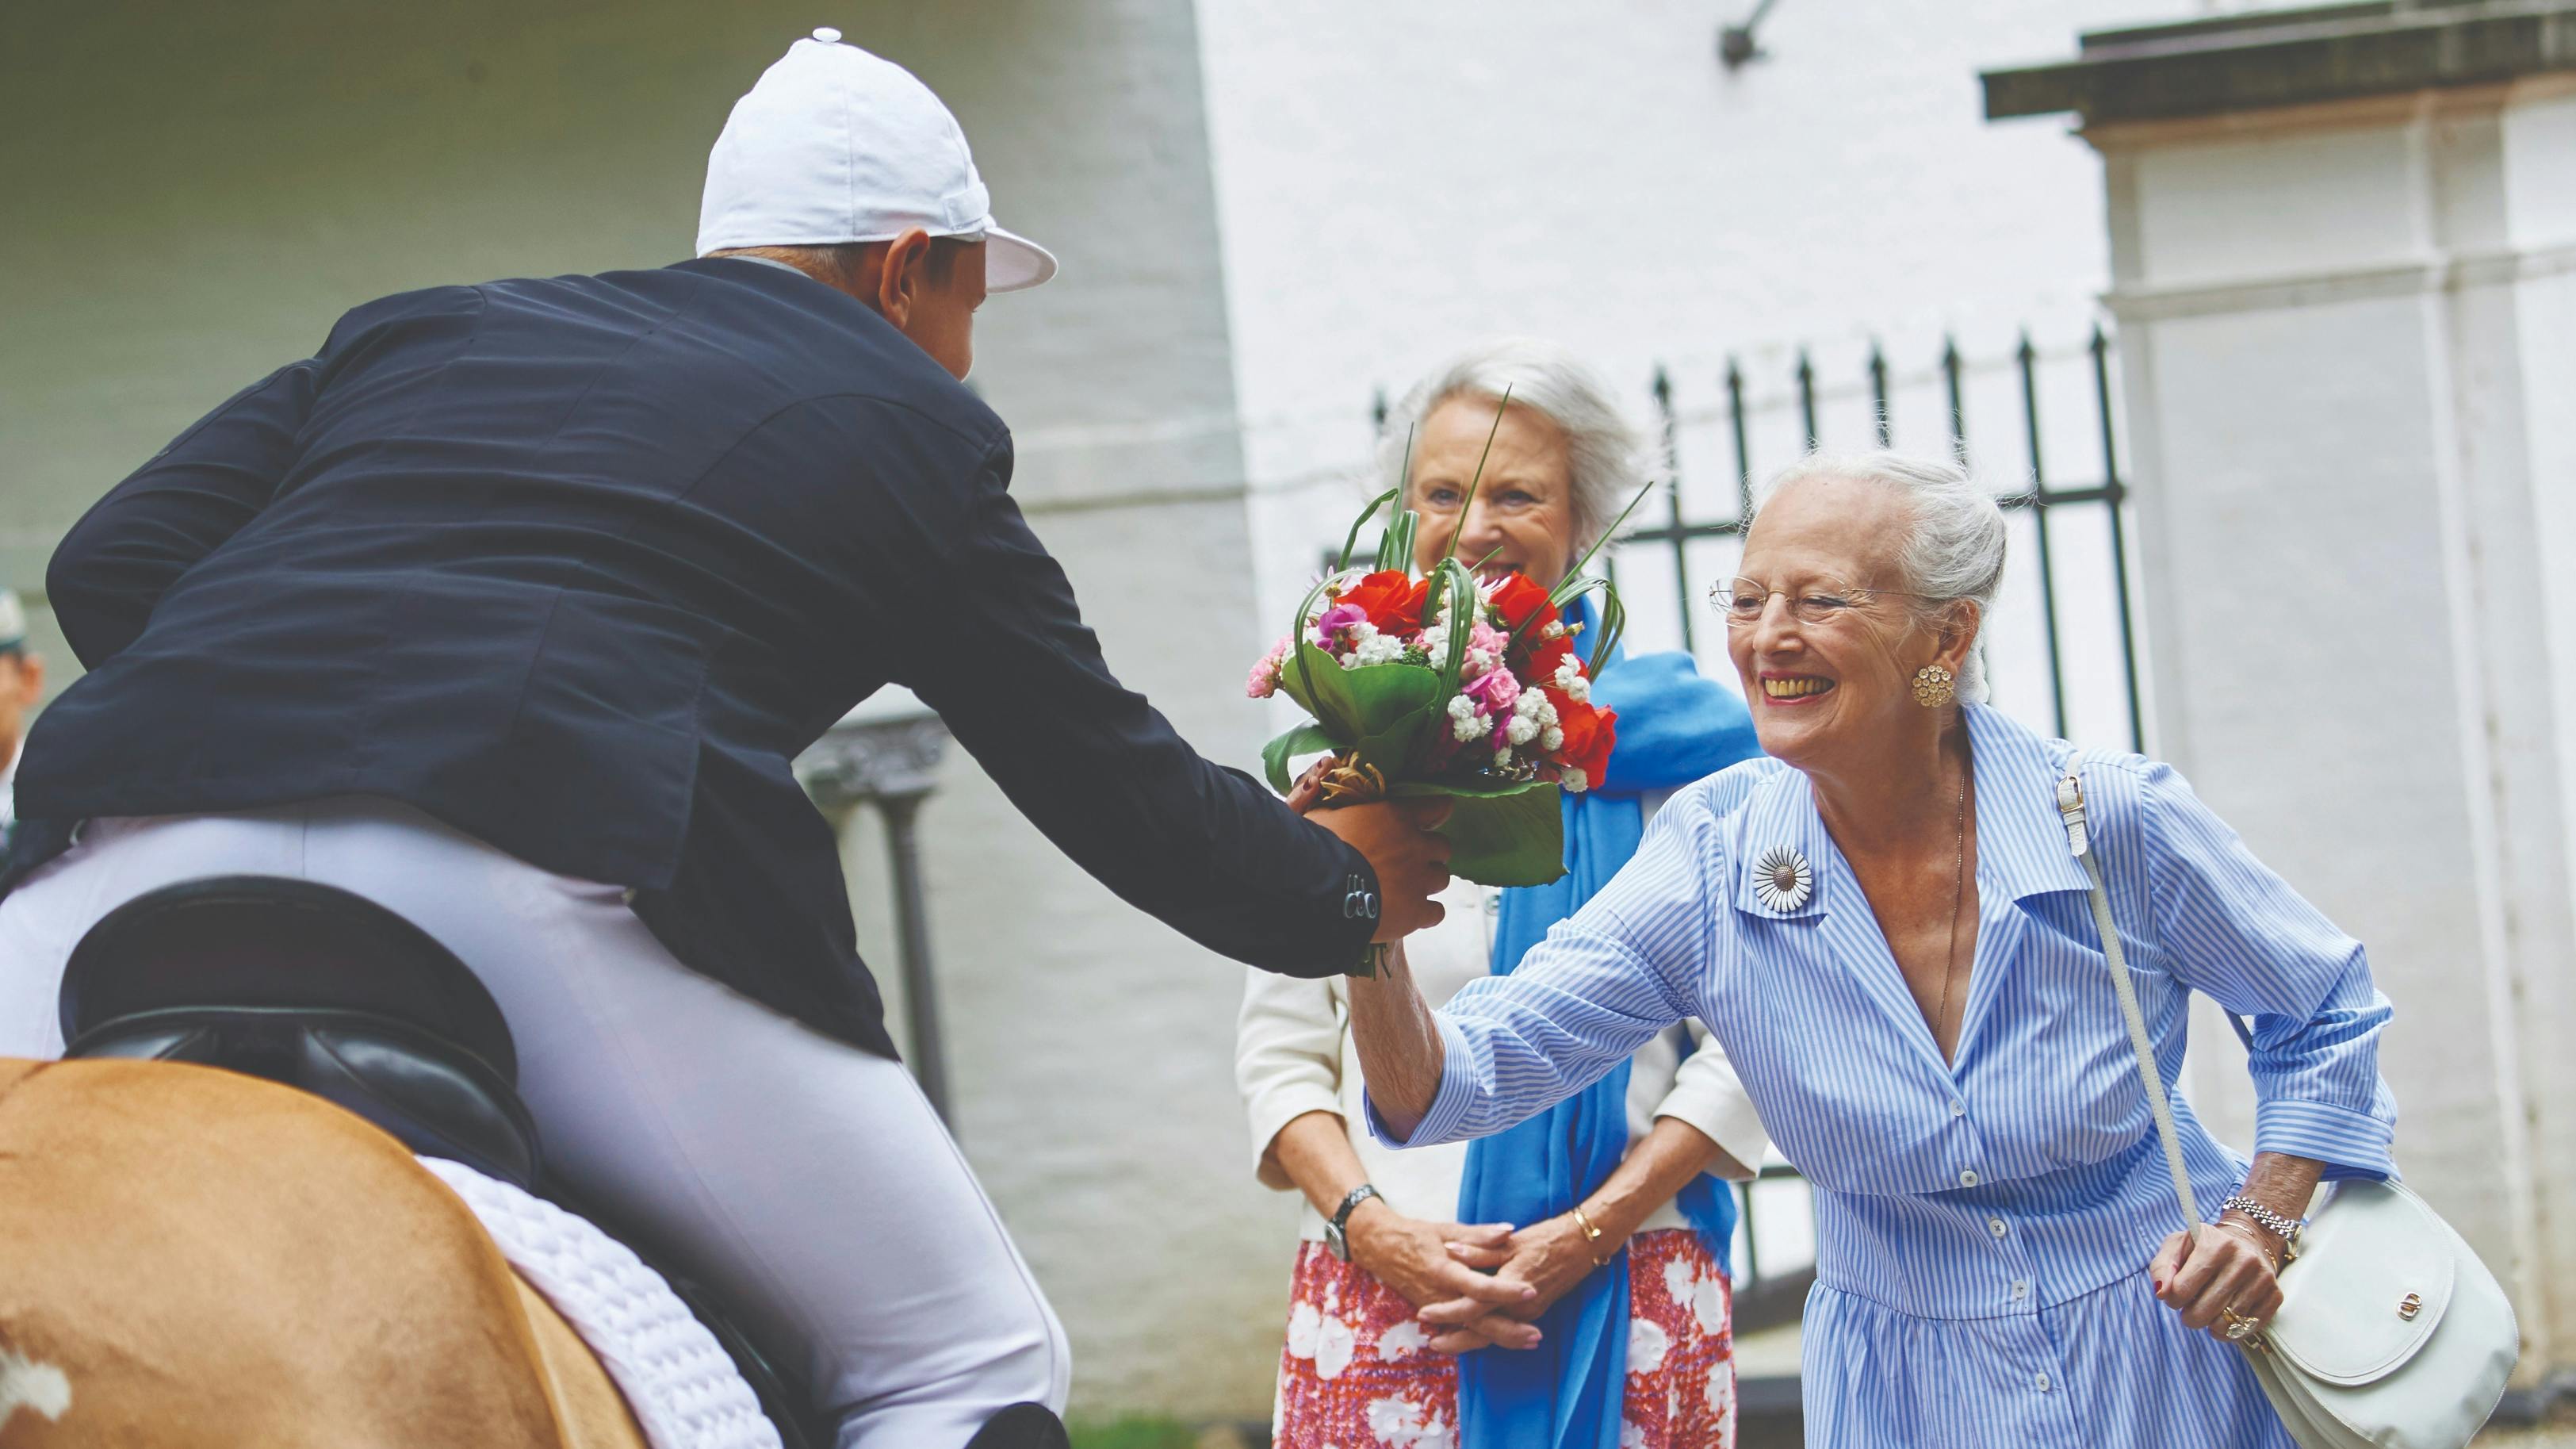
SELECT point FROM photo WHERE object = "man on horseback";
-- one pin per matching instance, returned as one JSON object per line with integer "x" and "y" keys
{"x": 509, "y": 610}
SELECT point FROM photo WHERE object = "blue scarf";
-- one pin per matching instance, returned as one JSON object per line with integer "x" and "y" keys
{"x": 1675, "y": 726}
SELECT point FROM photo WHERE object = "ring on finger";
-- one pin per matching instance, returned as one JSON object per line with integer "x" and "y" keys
{"x": 2239, "y": 1327}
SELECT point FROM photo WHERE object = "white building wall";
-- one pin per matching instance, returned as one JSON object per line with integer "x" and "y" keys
{"x": 2353, "y": 500}
{"x": 1396, "y": 181}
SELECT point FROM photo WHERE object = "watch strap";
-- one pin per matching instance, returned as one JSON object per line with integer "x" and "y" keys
{"x": 1351, "y": 1202}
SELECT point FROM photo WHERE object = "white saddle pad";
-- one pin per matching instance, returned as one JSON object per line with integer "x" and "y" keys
{"x": 683, "y": 1387}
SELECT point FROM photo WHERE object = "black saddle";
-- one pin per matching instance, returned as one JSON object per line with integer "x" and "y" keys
{"x": 324, "y": 990}
{"x": 314, "y": 987}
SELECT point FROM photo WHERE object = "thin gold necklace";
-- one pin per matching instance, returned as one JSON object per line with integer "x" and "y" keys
{"x": 1958, "y": 898}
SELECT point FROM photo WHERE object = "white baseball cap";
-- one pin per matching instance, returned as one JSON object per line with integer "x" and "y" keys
{"x": 835, "y": 145}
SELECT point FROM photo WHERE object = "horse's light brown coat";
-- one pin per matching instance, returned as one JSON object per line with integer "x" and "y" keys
{"x": 211, "y": 1259}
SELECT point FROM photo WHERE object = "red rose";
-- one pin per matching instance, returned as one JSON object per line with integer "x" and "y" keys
{"x": 1516, "y": 599}
{"x": 1589, "y": 735}
{"x": 1393, "y": 601}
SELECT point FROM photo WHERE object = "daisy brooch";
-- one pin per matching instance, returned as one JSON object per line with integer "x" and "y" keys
{"x": 1781, "y": 880}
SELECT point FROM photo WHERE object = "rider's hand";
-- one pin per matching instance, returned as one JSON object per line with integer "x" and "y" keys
{"x": 2230, "y": 1268}
{"x": 1411, "y": 860}
{"x": 1432, "y": 1262}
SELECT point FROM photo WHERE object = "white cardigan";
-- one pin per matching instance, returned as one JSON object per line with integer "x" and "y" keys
{"x": 1293, "y": 1055}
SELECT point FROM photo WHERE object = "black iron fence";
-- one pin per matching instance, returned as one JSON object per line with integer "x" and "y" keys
{"x": 1694, "y": 549}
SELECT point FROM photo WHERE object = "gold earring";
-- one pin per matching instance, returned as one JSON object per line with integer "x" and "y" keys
{"x": 1934, "y": 686}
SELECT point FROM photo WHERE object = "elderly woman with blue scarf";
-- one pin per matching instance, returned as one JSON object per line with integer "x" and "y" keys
{"x": 1605, "y": 1205}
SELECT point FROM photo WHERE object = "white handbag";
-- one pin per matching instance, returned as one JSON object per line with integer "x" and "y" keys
{"x": 2391, "y": 1333}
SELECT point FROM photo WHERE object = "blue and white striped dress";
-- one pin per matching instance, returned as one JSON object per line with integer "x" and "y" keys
{"x": 1983, "y": 1228}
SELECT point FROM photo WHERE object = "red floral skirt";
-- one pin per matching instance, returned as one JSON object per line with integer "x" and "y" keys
{"x": 1358, "y": 1371}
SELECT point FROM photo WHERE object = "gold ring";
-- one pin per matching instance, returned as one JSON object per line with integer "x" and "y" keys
{"x": 2239, "y": 1327}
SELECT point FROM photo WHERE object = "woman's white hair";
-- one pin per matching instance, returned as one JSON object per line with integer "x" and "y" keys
{"x": 1551, "y": 382}
{"x": 1956, "y": 549}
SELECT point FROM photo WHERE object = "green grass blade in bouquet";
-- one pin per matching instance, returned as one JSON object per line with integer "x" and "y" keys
{"x": 1351, "y": 543}
{"x": 1614, "y": 615}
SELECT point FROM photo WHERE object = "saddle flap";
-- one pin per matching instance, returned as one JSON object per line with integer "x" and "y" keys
{"x": 2390, "y": 1285}
{"x": 264, "y": 942}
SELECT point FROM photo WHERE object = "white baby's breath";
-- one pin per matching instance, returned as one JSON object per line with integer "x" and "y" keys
{"x": 1465, "y": 721}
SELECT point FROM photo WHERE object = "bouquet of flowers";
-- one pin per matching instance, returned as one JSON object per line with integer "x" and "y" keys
{"x": 1449, "y": 685}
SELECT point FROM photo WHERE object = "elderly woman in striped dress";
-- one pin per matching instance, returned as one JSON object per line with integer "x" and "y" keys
{"x": 1883, "y": 925}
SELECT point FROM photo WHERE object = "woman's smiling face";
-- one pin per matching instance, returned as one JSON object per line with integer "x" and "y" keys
{"x": 1523, "y": 515}
{"x": 1818, "y": 690}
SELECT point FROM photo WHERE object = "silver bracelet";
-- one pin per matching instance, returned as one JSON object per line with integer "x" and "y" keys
{"x": 2287, "y": 1230}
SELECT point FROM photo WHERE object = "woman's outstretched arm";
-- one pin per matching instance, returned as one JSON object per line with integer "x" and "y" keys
{"x": 1580, "y": 1003}
{"x": 1401, "y": 1053}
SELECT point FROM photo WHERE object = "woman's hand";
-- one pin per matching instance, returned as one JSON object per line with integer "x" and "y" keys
{"x": 1445, "y": 1263}
{"x": 1551, "y": 1257}
{"x": 2232, "y": 1268}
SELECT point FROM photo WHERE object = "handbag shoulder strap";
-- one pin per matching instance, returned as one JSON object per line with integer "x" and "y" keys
{"x": 2070, "y": 808}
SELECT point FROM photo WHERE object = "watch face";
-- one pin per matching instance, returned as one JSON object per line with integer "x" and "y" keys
{"x": 1337, "y": 1241}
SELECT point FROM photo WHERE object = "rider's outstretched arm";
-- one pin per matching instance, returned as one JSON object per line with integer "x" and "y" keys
{"x": 1020, "y": 681}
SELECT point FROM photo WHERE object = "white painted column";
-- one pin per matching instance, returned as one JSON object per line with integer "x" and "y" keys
{"x": 2349, "y": 333}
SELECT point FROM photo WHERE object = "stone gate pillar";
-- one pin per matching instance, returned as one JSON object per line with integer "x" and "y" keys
{"x": 2343, "y": 250}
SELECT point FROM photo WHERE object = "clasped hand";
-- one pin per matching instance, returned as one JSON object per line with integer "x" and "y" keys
{"x": 1476, "y": 1286}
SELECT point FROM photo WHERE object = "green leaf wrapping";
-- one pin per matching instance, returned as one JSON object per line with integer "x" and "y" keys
{"x": 1305, "y": 739}
{"x": 1358, "y": 705}
{"x": 1506, "y": 835}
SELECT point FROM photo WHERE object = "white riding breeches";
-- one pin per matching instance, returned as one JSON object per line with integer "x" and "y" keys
{"x": 805, "y": 1182}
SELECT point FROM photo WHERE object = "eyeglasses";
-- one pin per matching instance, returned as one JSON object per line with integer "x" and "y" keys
{"x": 1818, "y": 606}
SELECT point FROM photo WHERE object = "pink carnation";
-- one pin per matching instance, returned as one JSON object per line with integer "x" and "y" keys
{"x": 1265, "y": 675}
{"x": 1494, "y": 692}
{"x": 1485, "y": 639}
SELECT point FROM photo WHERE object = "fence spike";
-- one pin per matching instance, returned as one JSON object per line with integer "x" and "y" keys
{"x": 1951, "y": 369}
{"x": 1878, "y": 395}
{"x": 1743, "y": 440}
{"x": 1807, "y": 399}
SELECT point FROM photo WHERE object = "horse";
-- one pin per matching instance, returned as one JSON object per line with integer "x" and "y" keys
{"x": 216, "y": 1227}
{"x": 191, "y": 1257}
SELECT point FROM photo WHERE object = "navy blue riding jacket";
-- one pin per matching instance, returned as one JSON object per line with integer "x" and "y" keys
{"x": 578, "y": 566}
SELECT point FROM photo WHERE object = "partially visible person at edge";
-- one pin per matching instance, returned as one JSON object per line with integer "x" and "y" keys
{"x": 1610, "y": 1202}
{"x": 22, "y": 683}
{"x": 1884, "y": 924}
{"x": 510, "y": 609}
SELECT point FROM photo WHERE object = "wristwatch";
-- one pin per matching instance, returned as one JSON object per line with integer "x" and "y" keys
{"x": 1336, "y": 1236}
